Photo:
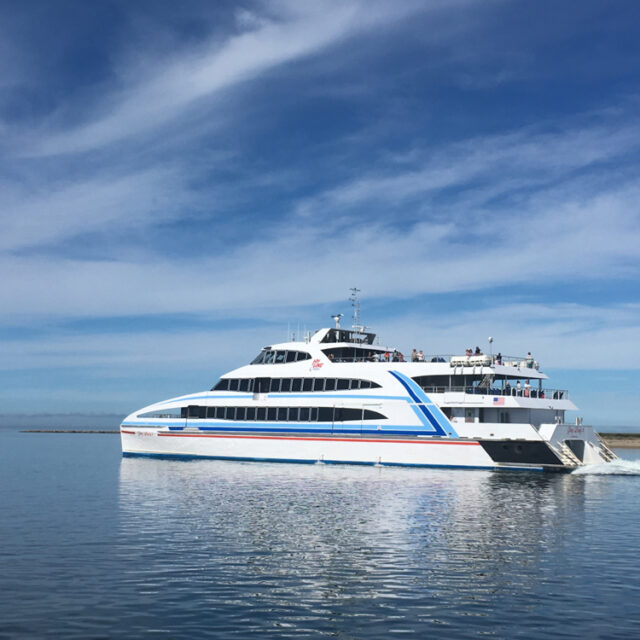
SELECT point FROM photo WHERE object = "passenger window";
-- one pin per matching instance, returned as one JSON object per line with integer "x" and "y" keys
{"x": 301, "y": 355}
{"x": 318, "y": 384}
{"x": 286, "y": 385}
{"x": 325, "y": 414}
{"x": 304, "y": 414}
{"x": 280, "y": 357}
{"x": 211, "y": 412}
{"x": 261, "y": 413}
{"x": 223, "y": 385}
{"x": 293, "y": 414}
{"x": 343, "y": 383}
{"x": 291, "y": 356}
{"x": 231, "y": 413}
{"x": 275, "y": 385}
{"x": 307, "y": 384}
{"x": 314, "y": 414}
{"x": 244, "y": 384}
{"x": 241, "y": 413}
{"x": 296, "y": 384}
{"x": 330, "y": 384}
{"x": 365, "y": 384}
{"x": 269, "y": 357}
{"x": 272, "y": 412}
{"x": 251, "y": 413}
{"x": 282, "y": 414}
{"x": 233, "y": 384}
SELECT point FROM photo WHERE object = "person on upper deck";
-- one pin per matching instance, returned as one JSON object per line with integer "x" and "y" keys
{"x": 529, "y": 361}
{"x": 468, "y": 352}
{"x": 499, "y": 358}
{"x": 518, "y": 388}
{"x": 420, "y": 356}
{"x": 414, "y": 355}
{"x": 478, "y": 352}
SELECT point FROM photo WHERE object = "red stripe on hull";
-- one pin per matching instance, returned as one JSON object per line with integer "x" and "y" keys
{"x": 208, "y": 435}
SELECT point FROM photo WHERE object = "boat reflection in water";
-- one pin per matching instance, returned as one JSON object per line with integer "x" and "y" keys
{"x": 333, "y": 548}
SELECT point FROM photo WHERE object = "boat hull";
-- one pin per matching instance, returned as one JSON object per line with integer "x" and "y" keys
{"x": 393, "y": 451}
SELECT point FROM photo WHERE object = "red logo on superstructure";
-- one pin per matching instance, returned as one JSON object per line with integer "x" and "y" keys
{"x": 316, "y": 364}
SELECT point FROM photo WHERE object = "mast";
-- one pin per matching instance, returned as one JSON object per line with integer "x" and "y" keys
{"x": 355, "y": 303}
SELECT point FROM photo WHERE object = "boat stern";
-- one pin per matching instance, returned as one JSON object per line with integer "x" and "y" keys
{"x": 577, "y": 444}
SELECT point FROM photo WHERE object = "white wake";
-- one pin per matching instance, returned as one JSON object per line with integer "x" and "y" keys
{"x": 617, "y": 467}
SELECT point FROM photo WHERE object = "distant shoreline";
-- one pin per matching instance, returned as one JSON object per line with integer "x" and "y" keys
{"x": 622, "y": 440}
{"x": 619, "y": 440}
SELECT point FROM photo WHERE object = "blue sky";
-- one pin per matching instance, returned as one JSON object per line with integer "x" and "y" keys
{"x": 179, "y": 183}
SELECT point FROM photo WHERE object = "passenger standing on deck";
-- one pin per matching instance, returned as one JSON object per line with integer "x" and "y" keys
{"x": 507, "y": 388}
{"x": 529, "y": 361}
{"x": 527, "y": 389}
{"x": 518, "y": 388}
{"x": 420, "y": 356}
{"x": 414, "y": 355}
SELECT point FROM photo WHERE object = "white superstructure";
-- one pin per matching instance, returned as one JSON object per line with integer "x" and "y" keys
{"x": 339, "y": 398}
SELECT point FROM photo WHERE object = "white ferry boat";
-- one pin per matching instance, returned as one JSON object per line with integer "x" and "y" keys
{"x": 338, "y": 397}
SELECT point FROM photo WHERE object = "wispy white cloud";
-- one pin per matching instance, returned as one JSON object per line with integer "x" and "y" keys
{"x": 43, "y": 213}
{"x": 558, "y": 242}
{"x": 284, "y": 32}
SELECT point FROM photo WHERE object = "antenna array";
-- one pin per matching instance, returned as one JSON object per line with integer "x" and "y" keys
{"x": 355, "y": 303}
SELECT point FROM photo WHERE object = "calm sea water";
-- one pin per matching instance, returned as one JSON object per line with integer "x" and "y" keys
{"x": 96, "y": 546}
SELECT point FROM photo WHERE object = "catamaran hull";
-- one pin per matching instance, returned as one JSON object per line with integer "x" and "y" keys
{"x": 394, "y": 451}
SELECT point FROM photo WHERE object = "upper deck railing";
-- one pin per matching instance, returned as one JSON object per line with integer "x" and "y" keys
{"x": 551, "y": 394}
{"x": 481, "y": 360}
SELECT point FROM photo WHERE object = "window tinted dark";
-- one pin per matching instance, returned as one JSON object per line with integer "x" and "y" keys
{"x": 282, "y": 414}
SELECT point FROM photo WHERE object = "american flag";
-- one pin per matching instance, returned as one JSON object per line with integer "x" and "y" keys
{"x": 498, "y": 401}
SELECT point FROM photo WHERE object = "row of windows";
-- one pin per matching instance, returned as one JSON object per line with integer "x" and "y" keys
{"x": 279, "y": 357}
{"x": 281, "y": 414}
{"x": 289, "y": 385}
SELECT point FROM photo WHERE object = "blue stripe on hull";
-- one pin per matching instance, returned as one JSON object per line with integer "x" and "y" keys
{"x": 191, "y": 457}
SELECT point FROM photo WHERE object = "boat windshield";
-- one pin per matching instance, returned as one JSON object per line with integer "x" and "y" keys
{"x": 269, "y": 356}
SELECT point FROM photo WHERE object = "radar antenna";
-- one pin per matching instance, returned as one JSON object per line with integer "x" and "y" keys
{"x": 355, "y": 303}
